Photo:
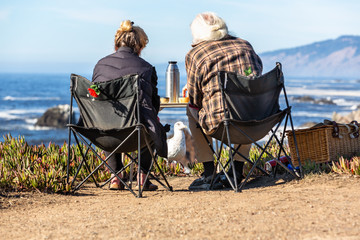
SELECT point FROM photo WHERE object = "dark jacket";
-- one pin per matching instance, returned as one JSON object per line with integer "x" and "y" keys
{"x": 124, "y": 62}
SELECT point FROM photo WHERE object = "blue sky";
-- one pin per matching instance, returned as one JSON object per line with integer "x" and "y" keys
{"x": 71, "y": 36}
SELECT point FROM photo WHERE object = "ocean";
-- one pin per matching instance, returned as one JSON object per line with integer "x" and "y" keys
{"x": 25, "y": 97}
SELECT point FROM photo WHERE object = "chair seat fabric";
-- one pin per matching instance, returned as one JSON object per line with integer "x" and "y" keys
{"x": 256, "y": 129}
{"x": 110, "y": 139}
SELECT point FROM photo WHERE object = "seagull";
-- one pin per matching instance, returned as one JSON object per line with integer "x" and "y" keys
{"x": 180, "y": 147}
{"x": 177, "y": 144}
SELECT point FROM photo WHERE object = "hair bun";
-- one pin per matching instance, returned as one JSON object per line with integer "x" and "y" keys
{"x": 126, "y": 26}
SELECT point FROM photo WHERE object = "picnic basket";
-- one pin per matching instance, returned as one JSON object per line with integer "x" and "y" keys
{"x": 325, "y": 142}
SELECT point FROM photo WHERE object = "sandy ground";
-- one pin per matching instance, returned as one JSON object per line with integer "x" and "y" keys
{"x": 317, "y": 207}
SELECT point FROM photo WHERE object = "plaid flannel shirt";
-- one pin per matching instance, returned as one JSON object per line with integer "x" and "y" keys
{"x": 203, "y": 62}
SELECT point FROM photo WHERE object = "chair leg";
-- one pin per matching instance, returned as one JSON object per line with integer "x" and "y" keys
{"x": 163, "y": 176}
{"x": 292, "y": 172}
{"x": 136, "y": 159}
{"x": 154, "y": 161}
{"x": 150, "y": 175}
{"x": 226, "y": 124}
{"x": 104, "y": 162}
{"x": 139, "y": 161}
{"x": 131, "y": 175}
{"x": 85, "y": 163}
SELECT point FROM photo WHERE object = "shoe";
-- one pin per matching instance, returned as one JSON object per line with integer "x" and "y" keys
{"x": 225, "y": 181}
{"x": 148, "y": 187}
{"x": 217, "y": 184}
{"x": 115, "y": 184}
{"x": 202, "y": 183}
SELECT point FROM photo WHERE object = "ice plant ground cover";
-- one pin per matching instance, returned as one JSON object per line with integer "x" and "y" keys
{"x": 43, "y": 168}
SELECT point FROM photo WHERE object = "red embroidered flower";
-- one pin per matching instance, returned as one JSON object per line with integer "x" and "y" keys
{"x": 94, "y": 91}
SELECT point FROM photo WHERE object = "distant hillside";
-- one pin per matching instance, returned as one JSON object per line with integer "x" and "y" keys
{"x": 331, "y": 58}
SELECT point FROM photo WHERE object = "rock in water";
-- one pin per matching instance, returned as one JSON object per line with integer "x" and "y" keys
{"x": 313, "y": 100}
{"x": 304, "y": 99}
{"x": 56, "y": 117}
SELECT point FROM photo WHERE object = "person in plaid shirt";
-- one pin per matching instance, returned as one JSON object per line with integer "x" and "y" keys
{"x": 213, "y": 50}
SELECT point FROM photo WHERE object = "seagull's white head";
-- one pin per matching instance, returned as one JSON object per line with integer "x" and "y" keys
{"x": 179, "y": 126}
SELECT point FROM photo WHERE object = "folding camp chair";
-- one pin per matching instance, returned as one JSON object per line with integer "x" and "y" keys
{"x": 110, "y": 120}
{"x": 252, "y": 111}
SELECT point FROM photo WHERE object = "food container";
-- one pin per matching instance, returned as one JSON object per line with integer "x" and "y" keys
{"x": 319, "y": 145}
{"x": 164, "y": 100}
{"x": 184, "y": 99}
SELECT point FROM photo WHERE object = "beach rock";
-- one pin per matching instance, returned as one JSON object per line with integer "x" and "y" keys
{"x": 304, "y": 99}
{"x": 313, "y": 100}
{"x": 307, "y": 125}
{"x": 353, "y": 116}
{"x": 56, "y": 117}
{"x": 324, "y": 101}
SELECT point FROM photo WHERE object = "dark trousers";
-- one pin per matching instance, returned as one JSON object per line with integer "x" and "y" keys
{"x": 115, "y": 161}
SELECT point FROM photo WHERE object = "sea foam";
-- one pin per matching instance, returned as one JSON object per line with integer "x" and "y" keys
{"x": 13, "y": 114}
{"x": 321, "y": 92}
{"x": 11, "y": 98}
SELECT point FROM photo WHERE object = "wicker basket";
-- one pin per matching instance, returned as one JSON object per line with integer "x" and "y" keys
{"x": 317, "y": 144}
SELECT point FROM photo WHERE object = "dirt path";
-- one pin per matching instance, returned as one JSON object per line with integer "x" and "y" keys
{"x": 317, "y": 207}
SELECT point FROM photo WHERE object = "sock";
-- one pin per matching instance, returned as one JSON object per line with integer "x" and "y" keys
{"x": 208, "y": 168}
{"x": 239, "y": 167}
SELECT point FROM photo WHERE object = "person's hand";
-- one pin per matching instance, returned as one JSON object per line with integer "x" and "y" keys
{"x": 184, "y": 91}
{"x": 167, "y": 128}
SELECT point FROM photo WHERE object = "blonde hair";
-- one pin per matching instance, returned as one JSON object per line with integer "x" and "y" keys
{"x": 208, "y": 26}
{"x": 130, "y": 36}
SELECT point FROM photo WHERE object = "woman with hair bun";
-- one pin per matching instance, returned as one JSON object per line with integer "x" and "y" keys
{"x": 129, "y": 41}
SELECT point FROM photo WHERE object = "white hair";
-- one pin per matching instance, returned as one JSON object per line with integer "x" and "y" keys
{"x": 208, "y": 26}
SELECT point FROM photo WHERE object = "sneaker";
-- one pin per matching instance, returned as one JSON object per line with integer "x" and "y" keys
{"x": 225, "y": 181}
{"x": 204, "y": 183}
{"x": 217, "y": 184}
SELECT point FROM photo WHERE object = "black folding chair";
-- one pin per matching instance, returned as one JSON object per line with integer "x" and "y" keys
{"x": 110, "y": 120}
{"x": 252, "y": 111}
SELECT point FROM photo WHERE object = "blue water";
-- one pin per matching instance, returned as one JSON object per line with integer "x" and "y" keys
{"x": 25, "y": 97}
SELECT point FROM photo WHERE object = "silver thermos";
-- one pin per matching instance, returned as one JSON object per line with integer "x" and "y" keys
{"x": 172, "y": 82}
